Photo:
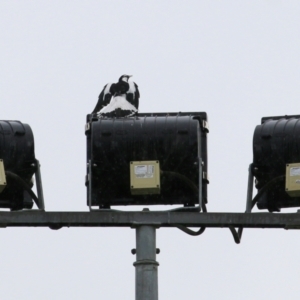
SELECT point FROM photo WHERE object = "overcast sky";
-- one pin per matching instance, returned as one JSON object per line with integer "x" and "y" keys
{"x": 236, "y": 60}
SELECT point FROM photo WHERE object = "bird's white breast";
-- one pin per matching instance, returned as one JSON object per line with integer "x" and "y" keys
{"x": 117, "y": 102}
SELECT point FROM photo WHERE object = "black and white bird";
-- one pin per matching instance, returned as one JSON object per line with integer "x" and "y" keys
{"x": 119, "y": 99}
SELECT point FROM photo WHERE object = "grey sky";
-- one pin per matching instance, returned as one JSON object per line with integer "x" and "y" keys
{"x": 236, "y": 60}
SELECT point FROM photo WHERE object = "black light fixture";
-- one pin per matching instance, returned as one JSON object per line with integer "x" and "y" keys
{"x": 17, "y": 167}
{"x": 276, "y": 162}
{"x": 151, "y": 159}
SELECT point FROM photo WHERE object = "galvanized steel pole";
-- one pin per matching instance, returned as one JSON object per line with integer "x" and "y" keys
{"x": 146, "y": 281}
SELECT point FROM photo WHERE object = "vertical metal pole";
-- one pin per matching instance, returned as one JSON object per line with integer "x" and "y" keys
{"x": 39, "y": 186}
{"x": 249, "y": 190}
{"x": 200, "y": 184}
{"x": 146, "y": 282}
{"x": 200, "y": 168}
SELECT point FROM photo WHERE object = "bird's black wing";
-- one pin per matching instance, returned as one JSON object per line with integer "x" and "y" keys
{"x": 99, "y": 104}
{"x": 104, "y": 97}
{"x": 133, "y": 97}
{"x": 136, "y": 96}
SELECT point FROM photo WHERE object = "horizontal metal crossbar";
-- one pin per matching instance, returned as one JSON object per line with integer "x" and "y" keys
{"x": 56, "y": 220}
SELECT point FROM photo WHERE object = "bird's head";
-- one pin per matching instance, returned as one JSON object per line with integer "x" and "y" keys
{"x": 124, "y": 78}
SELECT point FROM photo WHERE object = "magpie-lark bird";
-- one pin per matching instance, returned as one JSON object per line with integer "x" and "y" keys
{"x": 119, "y": 99}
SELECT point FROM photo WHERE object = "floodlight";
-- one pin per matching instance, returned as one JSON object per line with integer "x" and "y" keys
{"x": 150, "y": 159}
{"x": 17, "y": 167}
{"x": 276, "y": 162}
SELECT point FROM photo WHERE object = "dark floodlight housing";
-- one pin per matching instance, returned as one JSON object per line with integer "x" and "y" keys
{"x": 276, "y": 145}
{"x": 18, "y": 165}
{"x": 150, "y": 159}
